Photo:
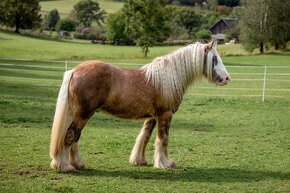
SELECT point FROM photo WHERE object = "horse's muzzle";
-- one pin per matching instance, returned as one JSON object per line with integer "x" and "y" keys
{"x": 221, "y": 81}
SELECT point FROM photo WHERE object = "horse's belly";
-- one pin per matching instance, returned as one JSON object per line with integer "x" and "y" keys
{"x": 129, "y": 111}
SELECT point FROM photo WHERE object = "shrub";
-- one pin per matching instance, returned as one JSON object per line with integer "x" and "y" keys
{"x": 66, "y": 25}
{"x": 92, "y": 33}
{"x": 115, "y": 25}
{"x": 203, "y": 35}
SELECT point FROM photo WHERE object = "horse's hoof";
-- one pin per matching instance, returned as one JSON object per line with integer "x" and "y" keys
{"x": 165, "y": 165}
{"x": 61, "y": 167}
{"x": 67, "y": 169}
{"x": 139, "y": 163}
{"x": 144, "y": 163}
{"x": 79, "y": 166}
{"x": 173, "y": 164}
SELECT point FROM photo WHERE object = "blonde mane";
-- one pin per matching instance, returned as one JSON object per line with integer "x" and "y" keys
{"x": 173, "y": 73}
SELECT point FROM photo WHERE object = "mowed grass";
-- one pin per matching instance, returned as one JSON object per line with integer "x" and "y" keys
{"x": 66, "y": 6}
{"x": 220, "y": 144}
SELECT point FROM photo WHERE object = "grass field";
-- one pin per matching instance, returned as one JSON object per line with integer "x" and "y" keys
{"x": 66, "y": 6}
{"x": 221, "y": 144}
{"x": 16, "y": 46}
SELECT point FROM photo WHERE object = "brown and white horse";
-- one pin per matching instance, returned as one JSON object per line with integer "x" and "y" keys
{"x": 153, "y": 92}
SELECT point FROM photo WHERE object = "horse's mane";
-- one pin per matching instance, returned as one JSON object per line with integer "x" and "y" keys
{"x": 173, "y": 73}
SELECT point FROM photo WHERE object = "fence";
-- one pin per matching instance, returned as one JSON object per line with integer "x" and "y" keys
{"x": 247, "y": 81}
{"x": 277, "y": 82}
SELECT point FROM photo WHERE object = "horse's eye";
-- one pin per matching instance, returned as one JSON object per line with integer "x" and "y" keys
{"x": 214, "y": 61}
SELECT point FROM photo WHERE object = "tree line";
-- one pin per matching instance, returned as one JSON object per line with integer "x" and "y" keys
{"x": 263, "y": 23}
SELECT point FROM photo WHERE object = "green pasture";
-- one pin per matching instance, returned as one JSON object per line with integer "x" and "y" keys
{"x": 221, "y": 140}
{"x": 66, "y": 6}
{"x": 29, "y": 47}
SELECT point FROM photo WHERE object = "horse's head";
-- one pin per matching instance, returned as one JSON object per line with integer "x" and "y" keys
{"x": 214, "y": 68}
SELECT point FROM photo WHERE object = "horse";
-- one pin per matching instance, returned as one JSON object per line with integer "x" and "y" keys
{"x": 152, "y": 93}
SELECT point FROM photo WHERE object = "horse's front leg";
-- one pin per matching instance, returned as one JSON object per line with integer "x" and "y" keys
{"x": 138, "y": 157}
{"x": 161, "y": 156}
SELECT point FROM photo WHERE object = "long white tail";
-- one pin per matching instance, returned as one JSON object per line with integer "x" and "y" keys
{"x": 62, "y": 118}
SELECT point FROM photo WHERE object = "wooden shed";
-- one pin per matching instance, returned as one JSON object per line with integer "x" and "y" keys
{"x": 219, "y": 29}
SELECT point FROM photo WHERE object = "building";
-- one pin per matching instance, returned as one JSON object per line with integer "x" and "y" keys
{"x": 219, "y": 29}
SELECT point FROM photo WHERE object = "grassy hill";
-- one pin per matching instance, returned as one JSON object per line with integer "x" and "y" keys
{"x": 21, "y": 46}
{"x": 65, "y": 6}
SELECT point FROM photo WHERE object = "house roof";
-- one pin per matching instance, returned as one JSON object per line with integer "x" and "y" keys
{"x": 230, "y": 22}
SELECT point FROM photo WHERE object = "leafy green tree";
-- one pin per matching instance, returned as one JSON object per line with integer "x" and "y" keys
{"x": 253, "y": 24}
{"x": 88, "y": 11}
{"x": 115, "y": 26}
{"x": 66, "y": 25}
{"x": 186, "y": 17}
{"x": 186, "y": 2}
{"x": 265, "y": 23}
{"x": 21, "y": 14}
{"x": 203, "y": 35}
{"x": 184, "y": 21}
{"x": 146, "y": 22}
{"x": 279, "y": 22}
{"x": 52, "y": 19}
{"x": 230, "y": 3}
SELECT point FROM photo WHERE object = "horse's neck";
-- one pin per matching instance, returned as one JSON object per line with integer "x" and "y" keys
{"x": 171, "y": 75}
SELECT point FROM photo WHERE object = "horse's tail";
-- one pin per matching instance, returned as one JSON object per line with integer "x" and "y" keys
{"x": 62, "y": 118}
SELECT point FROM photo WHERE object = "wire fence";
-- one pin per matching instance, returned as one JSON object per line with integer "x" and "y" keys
{"x": 247, "y": 81}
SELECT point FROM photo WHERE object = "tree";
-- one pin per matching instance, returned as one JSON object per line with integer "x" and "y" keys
{"x": 253, "y": 24}
{"x": 184, "y": 21}
{"x": 279, "y": 22}
{"x": 203, "y": 35}
{"x": 186, "y": 2}
{"x": 88, "y": 11}
{"x": 230, "y": 3}
{"x": 115, "y": 25}
{"x": 264, "y": 23}
{"x": 187, "y": 17}
{"x": 52, "y": 19}
{"x": 146, "y": 22}
{"x": 66, "y": 25}
{"x": 21, "y": 14}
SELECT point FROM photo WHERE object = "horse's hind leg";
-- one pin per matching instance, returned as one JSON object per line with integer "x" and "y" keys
{"x": 161, "y": 155}
{"x": 61, "y": 162}
{"x": 138, "y": 157}
{"x": 74, "y": 157}
{"x": 71, "y": 143}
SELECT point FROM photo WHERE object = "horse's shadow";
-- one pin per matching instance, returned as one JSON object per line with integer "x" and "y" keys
{"x": 190, "y": 174}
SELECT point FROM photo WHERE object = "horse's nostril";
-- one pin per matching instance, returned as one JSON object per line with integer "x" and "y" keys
{"x": 220, "y": 80}
{"x": 227, "y": 78}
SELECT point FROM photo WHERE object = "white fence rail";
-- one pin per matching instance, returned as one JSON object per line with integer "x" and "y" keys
{"x": 261, "y": 76}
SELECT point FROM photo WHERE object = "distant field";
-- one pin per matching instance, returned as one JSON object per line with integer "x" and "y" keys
{"x": 16, "y": 46}
{"x": 66, "y": 6}
{"x": 222, "y": 143}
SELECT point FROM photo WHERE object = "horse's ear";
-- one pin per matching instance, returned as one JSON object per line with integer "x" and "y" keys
{"x": 210, "y": 45}
{"x": 215, "y": 42}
